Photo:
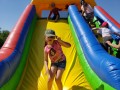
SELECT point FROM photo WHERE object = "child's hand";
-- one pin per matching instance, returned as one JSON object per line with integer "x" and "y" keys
{"x": 55, "y": 20}
{"x": 108, "y": 42}
{"x": 58, "y": 38}
{"x": 47, "y": 72}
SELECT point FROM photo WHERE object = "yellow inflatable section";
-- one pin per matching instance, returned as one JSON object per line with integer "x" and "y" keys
{"x": 41, "y": 5}
{"x": 34, "y": 77}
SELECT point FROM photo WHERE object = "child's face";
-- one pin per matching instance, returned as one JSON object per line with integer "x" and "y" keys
{"x": 52, "y": 7}
{"x": 50, "y": 38}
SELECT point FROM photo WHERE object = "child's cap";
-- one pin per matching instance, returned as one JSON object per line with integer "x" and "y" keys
{"x": 104, "y": 24}
{"x": 49, "y": 32}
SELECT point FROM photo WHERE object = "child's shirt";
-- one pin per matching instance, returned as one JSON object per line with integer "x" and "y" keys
{"x": 104, "y": 32}
{"x": 55, "y": 51}
{"x": 55, "y": 11}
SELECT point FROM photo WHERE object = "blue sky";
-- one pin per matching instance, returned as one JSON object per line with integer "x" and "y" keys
{"x": 10, "y": 11}
{"x": 112, "y": 7}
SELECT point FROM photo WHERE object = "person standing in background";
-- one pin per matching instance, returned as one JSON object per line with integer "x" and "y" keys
{"x": 55, "y": 12}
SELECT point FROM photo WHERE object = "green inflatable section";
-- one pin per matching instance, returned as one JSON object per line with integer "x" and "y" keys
{"x": 92, "y": 78}
{"x": 96, "y": 22}
{"x": 14, "y": 81}
{"x": 115, "y": 51}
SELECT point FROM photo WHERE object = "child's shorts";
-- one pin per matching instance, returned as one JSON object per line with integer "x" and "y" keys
{"x": 61, "y": 64}
{"x": 55, "y": 16}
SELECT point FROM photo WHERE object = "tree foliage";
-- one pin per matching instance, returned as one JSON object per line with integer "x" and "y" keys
{"x": 3, "y": 35}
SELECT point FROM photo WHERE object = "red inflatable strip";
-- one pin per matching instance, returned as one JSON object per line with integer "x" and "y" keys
{"x": 13, "y": 38}
{"x": 108, "y": 16}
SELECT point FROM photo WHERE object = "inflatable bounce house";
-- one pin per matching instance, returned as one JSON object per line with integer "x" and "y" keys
{"x": 88, "y": 67}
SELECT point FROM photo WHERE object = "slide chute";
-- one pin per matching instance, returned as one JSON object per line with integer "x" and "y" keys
{"x": 89, "y": 66}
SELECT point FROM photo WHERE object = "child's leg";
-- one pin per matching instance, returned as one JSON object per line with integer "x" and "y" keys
{"x": 51, "y": 76}
{"x": 58, "y": 78}
{"x": 54, "y": 17}
{"x": 57, "y": 17}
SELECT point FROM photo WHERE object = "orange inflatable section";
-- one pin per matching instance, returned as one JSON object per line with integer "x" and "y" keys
{"x": 45, "y": 4}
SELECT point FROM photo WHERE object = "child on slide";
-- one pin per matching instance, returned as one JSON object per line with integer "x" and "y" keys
{"x": 58, "y": 60}
{"x": 106, "y": 34}
{"x": 116, "y": 45}
{"x": 55, "y": 12}
{"x": 87, "y": 12}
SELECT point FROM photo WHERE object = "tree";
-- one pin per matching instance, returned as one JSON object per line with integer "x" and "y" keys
{"x": 1, "y": 41}
{"x": 3, "y": 35}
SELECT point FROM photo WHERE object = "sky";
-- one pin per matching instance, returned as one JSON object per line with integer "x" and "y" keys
{"x": 112, "y": 7}
{"x": 10, "y": 11}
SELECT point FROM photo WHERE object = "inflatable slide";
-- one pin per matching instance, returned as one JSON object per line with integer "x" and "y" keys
{"x": 88, "y": 67}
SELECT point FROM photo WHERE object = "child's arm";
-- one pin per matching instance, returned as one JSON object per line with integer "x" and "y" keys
{"x": 95, "y": 29}
{"x": 113, "y": 45}
{"x": 50, "y": 14}
{"x": 63, "y": 43}
{"x": 83, "y": 10}
{"x": 46, "y": 62}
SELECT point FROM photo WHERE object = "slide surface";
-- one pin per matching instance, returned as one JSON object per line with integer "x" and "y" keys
{"x": 34, "y": 77}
